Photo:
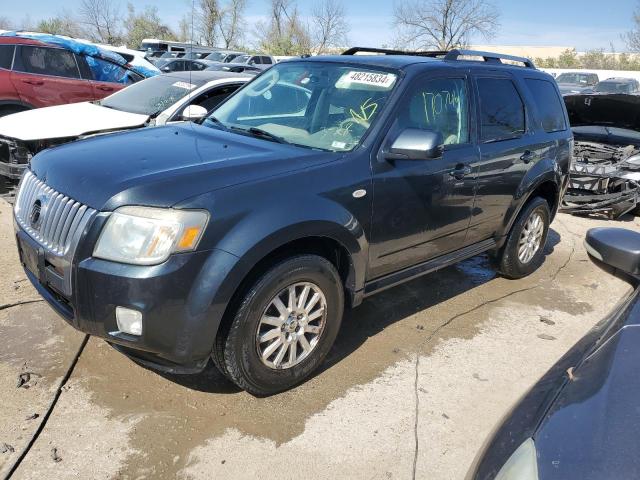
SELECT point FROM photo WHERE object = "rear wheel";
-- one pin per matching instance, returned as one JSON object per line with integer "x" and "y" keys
{"x": 285, "y": 326}
{"x": 523, "y": 252}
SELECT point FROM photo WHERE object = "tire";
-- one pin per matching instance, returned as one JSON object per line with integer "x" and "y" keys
{"x": 305, "y": 336}
{"x": 510, "y": 263}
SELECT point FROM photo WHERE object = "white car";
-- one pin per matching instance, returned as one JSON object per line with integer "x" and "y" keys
{"x": 155, "y": 101}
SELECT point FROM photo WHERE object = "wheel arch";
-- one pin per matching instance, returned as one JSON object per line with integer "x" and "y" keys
{"x": 546, "y": 184}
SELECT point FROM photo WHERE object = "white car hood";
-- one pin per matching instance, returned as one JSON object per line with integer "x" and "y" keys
{"x": 70, "y": 120}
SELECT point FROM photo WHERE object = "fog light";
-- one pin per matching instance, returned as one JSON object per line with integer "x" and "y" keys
{"x": 129, "y": 321}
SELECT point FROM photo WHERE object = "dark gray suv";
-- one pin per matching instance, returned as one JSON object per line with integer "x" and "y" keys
{"x": 321, "y": 182}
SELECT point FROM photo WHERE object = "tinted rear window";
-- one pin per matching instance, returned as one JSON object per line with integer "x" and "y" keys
{"x": 501, "y": 110}
{"x": 549, "y": 105}
{"x": 6, "y": 56}
{"x": 46, "y": 61}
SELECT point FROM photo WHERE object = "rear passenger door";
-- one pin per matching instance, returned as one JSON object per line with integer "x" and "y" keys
{"x": 45, "y": 76}
{"x": 505, "y": 151}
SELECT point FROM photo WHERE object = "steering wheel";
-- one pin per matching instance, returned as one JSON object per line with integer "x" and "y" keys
{"x": 263, "y": 83}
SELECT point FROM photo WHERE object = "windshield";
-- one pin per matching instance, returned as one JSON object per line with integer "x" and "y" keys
{"x": 315, "y": 105}
{"x": 150, "y": 96}
{"x": 216, "y": 56}
{"x": 572, "y": 78}
{"x": 613, "y": 87}
{"x": 241, "y": 59}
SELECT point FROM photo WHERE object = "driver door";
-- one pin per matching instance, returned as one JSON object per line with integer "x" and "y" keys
{"x": 422, "y": 208}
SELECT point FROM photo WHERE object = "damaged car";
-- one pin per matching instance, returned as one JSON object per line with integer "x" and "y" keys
{"x": 156, "y": 101}
{"x": 605, "y": 172}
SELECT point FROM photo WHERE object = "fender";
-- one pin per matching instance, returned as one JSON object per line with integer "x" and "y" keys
{"x": 546, "y": 170}
{"x": 263, "y": 231}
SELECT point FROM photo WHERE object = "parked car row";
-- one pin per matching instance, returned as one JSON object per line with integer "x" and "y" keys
{"x": 43, "y": 70}
{"x": 576, "y": 83}
{"x": 156, "y": 101}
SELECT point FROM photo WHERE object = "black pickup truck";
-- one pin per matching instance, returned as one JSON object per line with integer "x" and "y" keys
{"x": 321, "y": 182}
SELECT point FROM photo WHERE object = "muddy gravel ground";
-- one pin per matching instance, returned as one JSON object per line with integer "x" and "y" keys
{"x": 419, "y": 377}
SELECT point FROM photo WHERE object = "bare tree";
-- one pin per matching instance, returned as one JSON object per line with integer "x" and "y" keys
{"x": 444, "y": 24}
{"x": 632, "y": 37}
{"x": 62, "y": 24}
{"x": 208, "y": 17}
{"x": 185, "y": 30}
{"x": 231, "y": 23}
{"x": 286, "y": 33}
{"x": 101, "y": 19}
{"x": 329, "y": 26}
{"x": 5, "y": 24}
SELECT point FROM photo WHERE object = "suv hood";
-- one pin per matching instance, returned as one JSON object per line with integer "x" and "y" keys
{"x": 611, "y": 110}
{"x": 164, "y": 165}
{"x": 67, "y": 121}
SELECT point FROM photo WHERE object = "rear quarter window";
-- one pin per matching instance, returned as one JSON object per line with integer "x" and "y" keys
{"x": 502, "y": 113}
{"x": 6, "y": 56}
{"x": 548, "y": 104}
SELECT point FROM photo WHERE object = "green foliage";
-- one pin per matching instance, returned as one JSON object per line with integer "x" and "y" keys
{"x": 146, "y": 24}
{"x": 59, "y": 26}
{"x": 591, "y": 60}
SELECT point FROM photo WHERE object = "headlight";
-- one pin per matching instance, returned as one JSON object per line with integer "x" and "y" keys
{"x": 147, "y": 236}
{"x": 522, "y": 464}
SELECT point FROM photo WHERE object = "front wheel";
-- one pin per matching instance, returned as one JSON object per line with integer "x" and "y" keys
{"x": 285, "y": 325}
{"x": 523, "y": 252}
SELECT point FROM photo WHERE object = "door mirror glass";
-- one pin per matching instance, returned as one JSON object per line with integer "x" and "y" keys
{"x": 416, "y": 144}
{"x": 194, "y": 112}
{"x": 616, "y": 247}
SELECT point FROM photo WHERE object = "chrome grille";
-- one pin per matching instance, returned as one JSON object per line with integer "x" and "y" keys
{"x": 60, "y": 219}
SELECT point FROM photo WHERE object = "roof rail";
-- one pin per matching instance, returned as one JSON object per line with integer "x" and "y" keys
{"x": 488, "y": 57}
{"x": 386, "y": 51}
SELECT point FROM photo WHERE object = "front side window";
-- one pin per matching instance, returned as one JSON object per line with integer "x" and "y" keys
{"x": 502, "y": 114}
{"x": 6, "y": 56}
{"x": 440, "y": 105}
{"x": 46, "y": 61}
{"x": 549, "y": 105}
{"x": 315, "y": 105}
{"x": 241, "y": 59}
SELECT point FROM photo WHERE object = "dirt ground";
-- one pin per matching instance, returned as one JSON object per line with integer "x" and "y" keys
{"x": 419, "y": 377}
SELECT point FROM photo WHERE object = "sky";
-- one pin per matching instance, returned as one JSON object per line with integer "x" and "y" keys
{"x": 585, "y": 24}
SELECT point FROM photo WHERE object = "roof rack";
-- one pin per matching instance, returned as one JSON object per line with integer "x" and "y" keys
{"x": 386, "y": 51}
{"x": 488, "y": 57}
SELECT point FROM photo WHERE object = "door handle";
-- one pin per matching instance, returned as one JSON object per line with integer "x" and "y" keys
{"x": 34, "y": 82}
{"x": 527, "y": 156}
{"x": 460, "y": 171}
{"x": 105, "y": 89}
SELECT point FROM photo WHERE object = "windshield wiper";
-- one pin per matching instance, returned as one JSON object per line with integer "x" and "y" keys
{"x": 258, "y": 132}
{"x": 217, "y": 122}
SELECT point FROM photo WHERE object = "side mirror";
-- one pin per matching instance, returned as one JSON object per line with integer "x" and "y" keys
{"x": 194, "y": 112}
{"x": 416, "y": 144}
{"x": 616, "y": 247}
{"x": 165, "y": 69}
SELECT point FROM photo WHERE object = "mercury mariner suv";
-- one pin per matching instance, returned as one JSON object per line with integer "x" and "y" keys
{"x": 321, "y": 182}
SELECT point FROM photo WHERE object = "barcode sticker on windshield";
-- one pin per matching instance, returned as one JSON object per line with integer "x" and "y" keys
{"x": 185, "y": 85}
{"x": 372, "y": 79}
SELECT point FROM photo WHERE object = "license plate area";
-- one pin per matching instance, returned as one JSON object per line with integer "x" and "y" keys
{"x": 29, "y": 256}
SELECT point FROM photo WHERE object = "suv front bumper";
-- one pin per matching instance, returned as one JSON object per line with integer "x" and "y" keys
{"x": 176, "y": 299}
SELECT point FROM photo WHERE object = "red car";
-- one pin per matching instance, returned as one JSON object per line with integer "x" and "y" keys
{"x": 37, "y": 74}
